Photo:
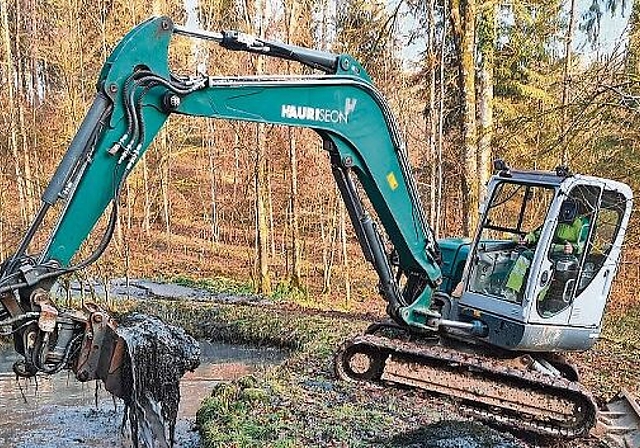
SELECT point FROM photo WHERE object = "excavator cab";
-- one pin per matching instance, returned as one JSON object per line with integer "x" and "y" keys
{"x": 540, "y": 268}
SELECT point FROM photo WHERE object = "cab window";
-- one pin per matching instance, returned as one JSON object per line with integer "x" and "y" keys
{"x": 502, "y": 260}
{"x": 605, "y": 231}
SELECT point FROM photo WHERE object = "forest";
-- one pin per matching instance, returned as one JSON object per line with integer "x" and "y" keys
{"x": 252, "y": 211}
{"x": 538, "y": 84}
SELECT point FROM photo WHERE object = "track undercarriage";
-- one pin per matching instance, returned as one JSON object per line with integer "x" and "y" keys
{"x": 491, "y": 387}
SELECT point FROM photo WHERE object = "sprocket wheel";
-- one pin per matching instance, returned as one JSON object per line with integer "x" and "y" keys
{"x": 360, "y": 363}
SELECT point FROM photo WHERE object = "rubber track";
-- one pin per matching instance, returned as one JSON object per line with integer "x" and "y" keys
{"x": 485, "y": 367}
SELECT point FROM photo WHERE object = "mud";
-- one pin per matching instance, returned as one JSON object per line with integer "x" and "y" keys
{"x": 159, "y": 355}
{"x": 454, "y": 434}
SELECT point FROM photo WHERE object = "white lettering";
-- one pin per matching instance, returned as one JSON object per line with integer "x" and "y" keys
{"x": 296, "y": 112}
{"x": 309, "y": 113}
{"x": 349, "y": 105}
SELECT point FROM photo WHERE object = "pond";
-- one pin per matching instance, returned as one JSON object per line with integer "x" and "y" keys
{"x": 59, "y": 412}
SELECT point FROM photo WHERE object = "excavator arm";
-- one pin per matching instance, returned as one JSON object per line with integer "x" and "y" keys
{"x": 136, "y": 94}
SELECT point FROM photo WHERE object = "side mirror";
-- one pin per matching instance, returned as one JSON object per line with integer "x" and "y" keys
{"x": 568, "y": 211}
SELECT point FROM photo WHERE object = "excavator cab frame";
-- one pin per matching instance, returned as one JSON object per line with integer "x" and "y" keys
{"x": 562, "y": 283}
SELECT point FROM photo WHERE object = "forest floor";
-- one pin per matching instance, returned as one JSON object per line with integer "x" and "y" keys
{"x": 300, "y": 402}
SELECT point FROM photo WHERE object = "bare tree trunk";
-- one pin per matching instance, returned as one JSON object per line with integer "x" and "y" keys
{"x": 324, "y": 26}
{"x": 80, "y": 39}
{"x": 295, "y": 276}
{"x": 13, "y": 125}
{"x": 146, "y": 220}
{"x": 32, "y": 160}
{"x": 329, "y": 243}
{"x": 24, "y": 95}
{"x": 130, "y": 201}
{"x": 236, "y": 165}
{"x": 28, "y": 178}
{"x": 269, "y": 192}
{"x": 566, "y": 77}
{"x": 3, "y": 254}
{"x": 119, "y": 233}
{"x": 164, "y": 179}
{"x": 345, "y": 255}
{"x": 486, "y": 38}
{"x": 463, "y": 15}
{"x": 431, "y": 114}
{"x": 103, "y": 29}
{"x": 632, "y": 64}
{"x": 443, "y": 45}
{"x": 215, "y": 226}
{"x": 326, "y": 267}
{"x": 262, "y": 225}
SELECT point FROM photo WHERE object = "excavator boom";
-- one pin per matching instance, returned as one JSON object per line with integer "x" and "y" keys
{"x": 136, "y": 93}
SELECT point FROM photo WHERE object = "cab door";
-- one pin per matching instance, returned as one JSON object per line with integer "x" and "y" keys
{"x": 561, "y": 255}
{"x": 600, "y": 259}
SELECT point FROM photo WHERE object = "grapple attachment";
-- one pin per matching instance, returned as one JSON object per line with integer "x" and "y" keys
{"x": 52, "y": 339}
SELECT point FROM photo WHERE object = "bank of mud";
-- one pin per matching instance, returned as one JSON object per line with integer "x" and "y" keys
{"x": 300, "y": 403}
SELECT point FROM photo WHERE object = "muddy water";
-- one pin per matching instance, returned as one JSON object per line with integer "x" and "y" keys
{"x": 142, "y": 289}
{"x": 59, "y": 412}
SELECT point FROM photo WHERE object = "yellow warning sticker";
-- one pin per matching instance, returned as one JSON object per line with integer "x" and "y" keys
{"x": 393, "y": 182}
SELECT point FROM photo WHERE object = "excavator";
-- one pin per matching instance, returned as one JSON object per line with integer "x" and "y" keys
{"x": 482, "y": 320}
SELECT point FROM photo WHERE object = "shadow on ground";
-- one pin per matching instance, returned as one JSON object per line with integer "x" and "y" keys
{"x": 452, "y": 434}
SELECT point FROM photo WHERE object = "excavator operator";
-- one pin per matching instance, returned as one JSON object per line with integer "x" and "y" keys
{"x": 569, "y": 240}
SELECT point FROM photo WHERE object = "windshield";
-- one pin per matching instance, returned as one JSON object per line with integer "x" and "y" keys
{"x": 516, "y": 209}
{"x": 510, "y": 232}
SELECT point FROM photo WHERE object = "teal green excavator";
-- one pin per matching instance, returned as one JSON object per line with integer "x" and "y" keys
{"x": 479, "y": 320}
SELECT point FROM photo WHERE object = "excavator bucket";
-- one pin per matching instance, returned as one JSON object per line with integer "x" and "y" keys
{"x": 102, "y": 353}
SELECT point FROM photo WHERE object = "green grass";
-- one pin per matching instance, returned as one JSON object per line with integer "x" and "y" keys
{"x": 285, "y": 291}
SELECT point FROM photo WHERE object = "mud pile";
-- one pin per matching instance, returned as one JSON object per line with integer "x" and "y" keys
{"x": 159, "y": 355}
